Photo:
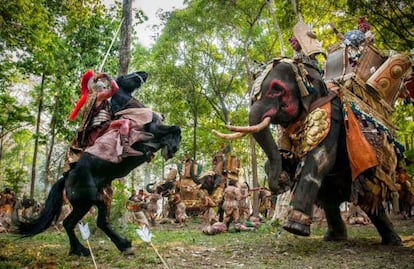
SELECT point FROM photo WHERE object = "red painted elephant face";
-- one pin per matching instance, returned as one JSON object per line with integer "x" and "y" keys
{"x": 280, "y": 98}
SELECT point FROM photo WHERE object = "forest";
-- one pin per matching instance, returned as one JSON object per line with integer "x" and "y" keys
{"x": 200, "y": 68}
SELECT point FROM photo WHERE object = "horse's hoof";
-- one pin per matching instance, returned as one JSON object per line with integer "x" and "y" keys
{"x": 129, "y": 251}
{"x": 394, "y": 240}
{"x": 297, "y": 228}
{"x": 332, "y": 236}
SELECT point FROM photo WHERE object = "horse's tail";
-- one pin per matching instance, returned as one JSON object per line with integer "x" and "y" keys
{"x": 50, "y": 213}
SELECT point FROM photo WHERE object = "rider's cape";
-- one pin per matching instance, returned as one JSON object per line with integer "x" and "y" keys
{"x": 108, "y": 146}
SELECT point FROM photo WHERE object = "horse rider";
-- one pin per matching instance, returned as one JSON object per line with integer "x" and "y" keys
{"x": 96, "y": 118}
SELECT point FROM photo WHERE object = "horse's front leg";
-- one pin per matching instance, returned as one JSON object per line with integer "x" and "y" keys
{"x": 78, "y": 211}
{"x": 121, "y": 243}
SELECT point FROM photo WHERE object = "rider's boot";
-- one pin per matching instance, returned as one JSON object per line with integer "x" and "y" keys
{"x": 127, "y": 151}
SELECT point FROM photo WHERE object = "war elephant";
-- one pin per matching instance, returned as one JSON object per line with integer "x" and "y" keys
{"x": 164, "y": 189}
{"x": 294, "y": 97}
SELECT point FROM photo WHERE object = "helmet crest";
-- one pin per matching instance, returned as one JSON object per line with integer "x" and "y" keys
{"x": 86, "y": 77}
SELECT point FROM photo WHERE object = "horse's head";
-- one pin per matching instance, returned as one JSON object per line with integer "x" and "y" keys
{"x": 132, "y": 81}
{"x": 123, "y": 99}
{"x": 166, "y": 138}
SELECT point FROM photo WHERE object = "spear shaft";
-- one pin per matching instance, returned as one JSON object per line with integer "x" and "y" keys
{"x": 110, "y": 47}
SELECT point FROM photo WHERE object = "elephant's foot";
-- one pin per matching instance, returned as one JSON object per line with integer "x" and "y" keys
{"x": 298, "y": 223}
{"x": 80, "y": 251}
{"x": 332, "y": 235}
{"x": 391, "y": 240}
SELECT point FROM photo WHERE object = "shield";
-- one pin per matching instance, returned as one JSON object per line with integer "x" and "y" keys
{"x": 386, "y": 80}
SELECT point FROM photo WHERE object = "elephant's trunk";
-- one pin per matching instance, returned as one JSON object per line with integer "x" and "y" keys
{"x": 241, "y": 131}
{"x": 149, "y": 189}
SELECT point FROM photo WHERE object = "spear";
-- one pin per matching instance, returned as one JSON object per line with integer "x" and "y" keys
{"x": 110, "y": 46}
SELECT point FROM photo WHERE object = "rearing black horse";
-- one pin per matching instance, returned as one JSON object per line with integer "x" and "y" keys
{"x": 86, "y": 181}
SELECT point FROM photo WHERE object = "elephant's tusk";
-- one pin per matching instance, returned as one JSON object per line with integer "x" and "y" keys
{"x": 250, "y": 129}
{"x": 228, "y": 136}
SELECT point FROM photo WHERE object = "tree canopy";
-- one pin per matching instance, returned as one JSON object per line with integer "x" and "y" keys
{"x": 200, "y": 67}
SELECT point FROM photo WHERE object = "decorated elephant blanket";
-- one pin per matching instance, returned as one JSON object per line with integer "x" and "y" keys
{"x": 372, "y": 149}
{"x": 308, "y": 132}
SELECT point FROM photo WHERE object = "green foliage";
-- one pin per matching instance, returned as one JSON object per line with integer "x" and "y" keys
{"x": 199, "y": 68}
{"x": 403, "y": 119}
{"x": 12, "y": 115}
{"x": 15, "y": 177}
{"x": 119, "y": 199}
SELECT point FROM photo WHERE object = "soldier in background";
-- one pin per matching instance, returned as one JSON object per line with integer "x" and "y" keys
{"x": 231, "y": 203}
{"x": 299, "y": 55}
{"x": 180, "y": 208}
{"x": 244, "y": 203}
{"x": 207, "y": 207}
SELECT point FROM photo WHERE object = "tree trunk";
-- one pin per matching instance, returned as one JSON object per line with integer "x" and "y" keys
{"x": 195, "y": 116}
{"x": 36, "y": 145}
{"x": 52, "y": 141}
{"x": 125, "y": 44}
{"x": 249, "y": 76}
{"x": 296, "y": 9}
{"x": 277, "y": 27}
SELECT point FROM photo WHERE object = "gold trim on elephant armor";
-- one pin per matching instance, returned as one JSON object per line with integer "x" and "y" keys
{"x": 255, "y": 93}
{"x": 312, "y": 130}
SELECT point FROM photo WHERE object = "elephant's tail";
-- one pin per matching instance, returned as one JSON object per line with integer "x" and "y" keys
{"x": 50, "y": 213}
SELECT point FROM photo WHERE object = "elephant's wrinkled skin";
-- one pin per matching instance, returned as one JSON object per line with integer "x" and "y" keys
{"x": 325, "y": 176}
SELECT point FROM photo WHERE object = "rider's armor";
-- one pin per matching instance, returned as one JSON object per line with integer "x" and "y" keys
{"x": 102, "y": 116}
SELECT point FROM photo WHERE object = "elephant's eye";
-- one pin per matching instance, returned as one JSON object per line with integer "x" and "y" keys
{"x": 276, "y": 88}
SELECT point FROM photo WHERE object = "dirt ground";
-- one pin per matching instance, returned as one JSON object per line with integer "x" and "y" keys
{"x": 279, "y": 249}
{"x": 187, "y": 247}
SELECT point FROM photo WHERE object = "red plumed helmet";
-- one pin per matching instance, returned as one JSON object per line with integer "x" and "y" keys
{"x": 84, "y": 90}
